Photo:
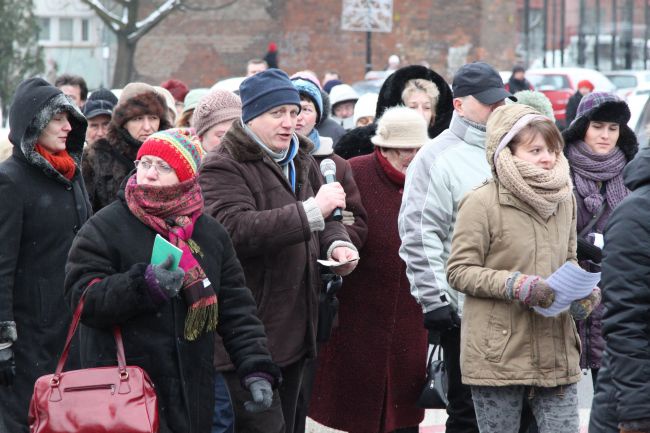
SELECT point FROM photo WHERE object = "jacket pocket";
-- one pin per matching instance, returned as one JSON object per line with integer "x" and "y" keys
{"x": 498, "y": 331}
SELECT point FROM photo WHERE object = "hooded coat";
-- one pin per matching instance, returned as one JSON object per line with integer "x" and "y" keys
{"x": 41, "y": 212}
{"x": 503, "y": 342}
{"x": 623, "y": 386}
{"x": 357, "y": 141}
{"x": 108, "y": 161}
{"x": 326, "y": 126}
{"x": 590, "y": 330}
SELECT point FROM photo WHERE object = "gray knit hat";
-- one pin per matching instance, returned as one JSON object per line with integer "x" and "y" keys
{"x": 401, "y": 128}
{"x": 217, "y": 106}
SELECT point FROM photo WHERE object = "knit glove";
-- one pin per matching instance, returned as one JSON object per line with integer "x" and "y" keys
{"x": 169, "y": 281}
{"x": 440, "y": 320}
{"x": 348, "y": 217}
{"x": 7, "y": 367}
{"x": 582, "y": 308}
{"x": 530, "y": 290}
{"x": 262, "y": 393}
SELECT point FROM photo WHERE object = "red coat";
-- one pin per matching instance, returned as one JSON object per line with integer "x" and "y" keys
{"x": 372, "y": 370}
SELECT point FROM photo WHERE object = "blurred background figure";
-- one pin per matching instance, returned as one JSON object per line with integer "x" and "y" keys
{"x": 393, "y": 63}
{"x": 585, "y": 87}
{"x": 343, "y": 97}
{"x": 536, "y": 100}
{"x": 330, "y": 75}
{"x": 189, "y": 105}
{"x": 255, "y": 66}
{"x": 518, "y": 81}
{"x": 170, "y": 103}
{"x": 73, "y": 86}
{"x": 98, "y": 114}
{"x": 213, "y": 116}
{"x": 178, "y": 90}
{"x": 271, "y": 56}
{"x": 364, "y": 109}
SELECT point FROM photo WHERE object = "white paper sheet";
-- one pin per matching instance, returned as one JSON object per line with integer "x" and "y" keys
{"x": 334, "y": 263}
{"x": 569, "y": 283}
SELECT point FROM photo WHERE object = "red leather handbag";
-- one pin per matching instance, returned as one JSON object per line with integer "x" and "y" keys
{"x": 94, "y": 400}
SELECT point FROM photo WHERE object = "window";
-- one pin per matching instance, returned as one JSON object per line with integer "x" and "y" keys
{"x": 85, "y": 37}
{"x": 66, "y": 29}
{"x": 44, "y": 29}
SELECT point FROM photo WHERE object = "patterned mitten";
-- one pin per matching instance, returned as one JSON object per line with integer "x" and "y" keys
{"x": 582, "y": 308}
{"x": 530, "y": 290}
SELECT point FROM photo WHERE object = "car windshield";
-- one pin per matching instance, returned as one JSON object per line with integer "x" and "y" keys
{"x": 548, "y": 81}
{"x": 623, "y": 81}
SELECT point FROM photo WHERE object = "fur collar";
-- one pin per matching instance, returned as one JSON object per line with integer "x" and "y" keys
{"x": 241, "y": 147}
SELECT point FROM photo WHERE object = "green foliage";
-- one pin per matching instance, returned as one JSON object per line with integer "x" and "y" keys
{"x": 20, "y": 55}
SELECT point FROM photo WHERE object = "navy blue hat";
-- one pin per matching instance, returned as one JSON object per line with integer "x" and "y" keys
{"x": 97, "y": 107}
{"x": 266, "y": 90}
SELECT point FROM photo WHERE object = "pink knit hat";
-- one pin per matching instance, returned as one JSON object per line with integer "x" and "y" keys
{"x": 217, "y": 106}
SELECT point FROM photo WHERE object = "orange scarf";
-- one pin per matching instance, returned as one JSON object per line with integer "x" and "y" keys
{"x": 61, "y": 161}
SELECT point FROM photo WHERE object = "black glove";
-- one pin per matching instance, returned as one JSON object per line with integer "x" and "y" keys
{"x": 262, "y": 392}
{"x": 440, "y": 320}
{"x": 169, "y": 281}
{"x": 7, "y": 367}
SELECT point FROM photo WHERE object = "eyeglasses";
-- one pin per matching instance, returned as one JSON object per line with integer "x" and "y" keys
{"x": 146, "y": 165}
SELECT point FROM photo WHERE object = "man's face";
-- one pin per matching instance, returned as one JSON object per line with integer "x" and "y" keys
{"x": 276, "y": 127}
{"x": 472, "y": 109}
{"x": 74, "y": 92}
{"x": 255, "y": 68}
{"x": 97, "y": 128}
{"x": 343, "y": 110}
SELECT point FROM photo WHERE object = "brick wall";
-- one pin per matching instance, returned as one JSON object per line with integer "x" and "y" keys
{"x": 203, "y": 47}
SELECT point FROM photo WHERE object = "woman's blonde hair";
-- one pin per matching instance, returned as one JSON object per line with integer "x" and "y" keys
{"x": 422, "y": 85}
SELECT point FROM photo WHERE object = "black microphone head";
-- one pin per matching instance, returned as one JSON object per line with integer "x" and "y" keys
{"x": 328, "y": 167}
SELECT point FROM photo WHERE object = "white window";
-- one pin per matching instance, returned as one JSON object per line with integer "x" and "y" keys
{"x": 44, "y": 29}
{"x": 66, "y": 27}
{"x": 85, "y": 32}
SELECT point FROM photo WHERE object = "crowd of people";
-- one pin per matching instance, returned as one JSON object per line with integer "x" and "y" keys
{"x": 437, "y": 212}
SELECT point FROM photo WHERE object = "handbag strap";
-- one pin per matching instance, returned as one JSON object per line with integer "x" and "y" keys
{"x": 433, "y": 350}
{"x": 594, "y": 220}
{"x": 117, "y": 334}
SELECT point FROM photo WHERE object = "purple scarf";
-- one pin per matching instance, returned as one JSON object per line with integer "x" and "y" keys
{"x": 590, "y": 168}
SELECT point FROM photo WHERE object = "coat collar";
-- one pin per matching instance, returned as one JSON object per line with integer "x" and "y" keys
{"x": 242, "y": 147}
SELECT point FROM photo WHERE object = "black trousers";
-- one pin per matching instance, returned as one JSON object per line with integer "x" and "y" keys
{"x": 281, "y": 416}
{"x": 460, "y": 411}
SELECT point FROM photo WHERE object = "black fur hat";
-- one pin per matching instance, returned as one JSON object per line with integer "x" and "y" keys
{"x": 610, "y": 109}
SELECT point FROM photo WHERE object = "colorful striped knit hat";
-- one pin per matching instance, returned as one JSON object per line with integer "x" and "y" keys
{"x": 178, "y": 147}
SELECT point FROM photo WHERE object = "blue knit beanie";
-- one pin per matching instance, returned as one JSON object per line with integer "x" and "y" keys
{"x": 266, "y": 90}
{"x": 309, "y": 89}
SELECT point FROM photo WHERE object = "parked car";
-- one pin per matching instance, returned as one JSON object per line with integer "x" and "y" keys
{"x": 626, "y": 81}
{"x": 639, "y": 103}
{"x": 559, "y": 84}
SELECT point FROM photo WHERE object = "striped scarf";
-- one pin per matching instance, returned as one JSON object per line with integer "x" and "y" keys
{"x": 172, "y": 211}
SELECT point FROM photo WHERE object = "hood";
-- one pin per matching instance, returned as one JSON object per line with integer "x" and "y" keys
{"x": 35, "y": 103}
{"x": 501, "y": 122}
{"x": 327, "y": 108}
{"x": 637, "y": 173}
{"x": 390, "y": 95}
{"x": 616, "y": 111}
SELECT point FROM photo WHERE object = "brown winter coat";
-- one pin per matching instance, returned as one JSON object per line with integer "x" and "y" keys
{"x": 247, "y": 192}
{"x": 503, "y": 342}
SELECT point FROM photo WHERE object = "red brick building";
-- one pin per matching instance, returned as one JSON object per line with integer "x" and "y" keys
{"x": 204, "y": 47}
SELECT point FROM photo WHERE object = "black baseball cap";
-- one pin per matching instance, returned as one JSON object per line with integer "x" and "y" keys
{"x": 97, "y": 107}
{"x": 481, "y": 81}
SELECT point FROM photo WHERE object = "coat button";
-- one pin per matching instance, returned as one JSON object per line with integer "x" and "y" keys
{"x": 75, "y": 229}
{"x": 68, "y": 187}
{"x": 504, "y": 332}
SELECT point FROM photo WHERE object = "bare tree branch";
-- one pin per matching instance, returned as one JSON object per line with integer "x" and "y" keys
{"x": 111, "y": 20}
{"x": 188, "y": 7}
{"x": 142, "y": 27}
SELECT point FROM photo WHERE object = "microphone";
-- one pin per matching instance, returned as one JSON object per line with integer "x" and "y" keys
{"x": 328, "y": 168}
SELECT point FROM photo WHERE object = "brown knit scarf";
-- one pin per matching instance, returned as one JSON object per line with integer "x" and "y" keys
{"x": 542, "y": 189}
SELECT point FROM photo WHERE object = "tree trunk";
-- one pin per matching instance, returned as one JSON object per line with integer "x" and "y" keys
{"x": 124, "y": 64}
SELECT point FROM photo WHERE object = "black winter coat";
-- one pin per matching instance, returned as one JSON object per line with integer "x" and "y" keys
{"x": 40, "y": 213}
{"x": 623, "y": 390}
{"x": 115, "y": 247}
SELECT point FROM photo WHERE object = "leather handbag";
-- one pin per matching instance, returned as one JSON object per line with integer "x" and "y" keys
{"x": 94, "y": 400}
{"x": 434, "y": 393}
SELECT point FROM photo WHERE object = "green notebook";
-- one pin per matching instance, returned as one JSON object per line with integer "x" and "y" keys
{"x": 162, "y": 248}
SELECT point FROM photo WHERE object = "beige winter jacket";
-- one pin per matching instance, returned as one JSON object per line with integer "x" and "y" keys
{"x": 504, "y": 342}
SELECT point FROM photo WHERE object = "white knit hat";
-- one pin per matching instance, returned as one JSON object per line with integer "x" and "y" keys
{"x": 401, "y": 128}
{"x": 365, "y": 106}
{"x": 342, "y": 93}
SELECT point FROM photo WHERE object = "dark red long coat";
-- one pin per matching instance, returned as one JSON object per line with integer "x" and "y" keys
{"x": 372, "y": 370}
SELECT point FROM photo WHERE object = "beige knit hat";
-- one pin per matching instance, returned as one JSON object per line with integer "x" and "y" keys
{"x": 217, "y": 106}
{"x": 401, "y": 128}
